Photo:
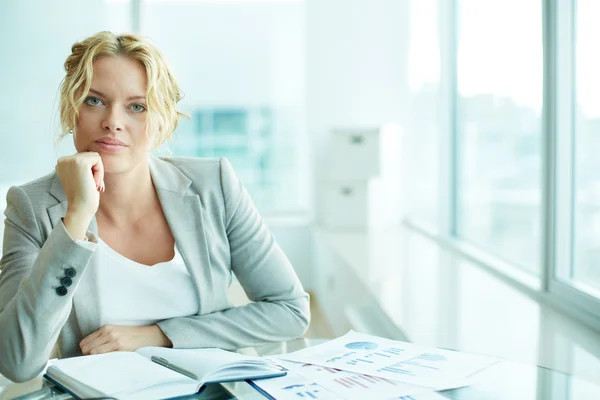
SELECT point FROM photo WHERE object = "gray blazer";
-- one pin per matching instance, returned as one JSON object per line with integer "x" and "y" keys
{"x": 218, "y": 231}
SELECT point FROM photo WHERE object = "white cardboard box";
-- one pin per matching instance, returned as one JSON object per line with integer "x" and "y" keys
{"x": 373, "y": 203}
{"x": 356, "y": 154}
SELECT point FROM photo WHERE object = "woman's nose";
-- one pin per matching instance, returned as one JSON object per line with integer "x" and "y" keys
{"x": 113, "y": 120}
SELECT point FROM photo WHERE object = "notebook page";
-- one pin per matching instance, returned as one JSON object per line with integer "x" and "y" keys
{"x": 76, "y": 387}
{"x": 118, "y": 372}
{"x": 199, "y": 361}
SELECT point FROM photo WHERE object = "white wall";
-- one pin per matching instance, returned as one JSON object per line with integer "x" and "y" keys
{"x": 357, "y": 66}
{"x": 35, "y": 38}
{"x": 248, "y": 53}
{"x": 242, "y": 54}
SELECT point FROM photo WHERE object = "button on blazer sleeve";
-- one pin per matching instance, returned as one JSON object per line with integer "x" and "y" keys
{"x": 32, "y": 314}
{"x": 280, "y": 308}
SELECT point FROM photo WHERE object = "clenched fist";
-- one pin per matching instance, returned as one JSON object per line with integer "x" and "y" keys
{"x": 82, "y": 179}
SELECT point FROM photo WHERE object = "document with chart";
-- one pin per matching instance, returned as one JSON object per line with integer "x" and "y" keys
{"x": 394, "y": 360}
{"x": 294, "y": 386}
{"x": 305, "y": 381}
{"x": 350, "y": 385}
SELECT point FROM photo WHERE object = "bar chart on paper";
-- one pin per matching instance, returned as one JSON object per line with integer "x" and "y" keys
{"x": 372, "y": 357}
{"x": 295, "y": 386}
{"x": 313, "y": 382}
{"x": 304, "y": 390}
{"x": 390, "y": 362}
{"x": 412, "y": 365}
{"x": 393, "y": 360}
{"x": 352, "y": 385}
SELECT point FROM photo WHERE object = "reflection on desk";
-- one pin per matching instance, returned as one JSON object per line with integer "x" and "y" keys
{"x": 505, "y": 380}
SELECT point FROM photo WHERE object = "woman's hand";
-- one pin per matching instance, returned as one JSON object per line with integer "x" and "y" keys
{"x": 123, "y": 338}
{"x": 82, "y": 178}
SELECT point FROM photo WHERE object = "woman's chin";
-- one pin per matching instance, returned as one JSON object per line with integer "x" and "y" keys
{"x": 112, "y": 164}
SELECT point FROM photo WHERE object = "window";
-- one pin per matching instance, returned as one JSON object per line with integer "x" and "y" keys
{"x": 499, "y": 79}
{"x": 509, "y": 165}
{"x": 585, "y": 272}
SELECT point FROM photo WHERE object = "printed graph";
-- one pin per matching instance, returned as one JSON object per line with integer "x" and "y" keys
{"x": 426, "y": 360}
{"x": 334, "y": 359}
{"x": 399, "y": 362}
{"x": 345, "y": 380}
{"x": 362, "y": 345}
{"x": 363, "y": 381}
{"x": 319, "y": 368}
{"x": 397, "y": 368}
{"x": 303, "y": 391}
{"x": 370, "y": 357}
{"x": 358, "y": 361}
{"x": 394, "y": 351}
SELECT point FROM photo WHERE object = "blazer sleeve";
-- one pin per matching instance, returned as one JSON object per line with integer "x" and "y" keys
{"x": 32, "y": 313}
{"x": 280, "y": 309}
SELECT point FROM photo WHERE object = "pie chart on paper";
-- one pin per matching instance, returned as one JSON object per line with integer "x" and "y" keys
{"x": 361, "y": 345}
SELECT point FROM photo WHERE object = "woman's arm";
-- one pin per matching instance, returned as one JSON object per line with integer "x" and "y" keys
{"x": 32, "y": 313}
{"x": 281, "y": 308}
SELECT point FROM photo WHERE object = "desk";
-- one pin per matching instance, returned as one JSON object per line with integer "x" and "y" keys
{"x": 505, "y": 380}
{"x": 381, "y": 282}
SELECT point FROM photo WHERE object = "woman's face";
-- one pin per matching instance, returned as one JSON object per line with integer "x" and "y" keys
{"x": 112, "y": 118}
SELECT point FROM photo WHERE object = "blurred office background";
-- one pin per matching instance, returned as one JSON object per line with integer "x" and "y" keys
{"x": 493, "y": 240}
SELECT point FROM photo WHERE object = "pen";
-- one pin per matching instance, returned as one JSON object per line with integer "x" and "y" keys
{"x": 166, "y": 363}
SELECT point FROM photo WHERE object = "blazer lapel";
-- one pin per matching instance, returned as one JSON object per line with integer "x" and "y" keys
{"x": 84, "y": 300}
{"x": 183, "y": 212}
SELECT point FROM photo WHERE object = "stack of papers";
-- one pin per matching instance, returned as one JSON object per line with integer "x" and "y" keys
{"x": 359, "y": 366}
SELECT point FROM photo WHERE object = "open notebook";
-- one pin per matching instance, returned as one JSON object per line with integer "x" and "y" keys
{"x": 133, "y": 375}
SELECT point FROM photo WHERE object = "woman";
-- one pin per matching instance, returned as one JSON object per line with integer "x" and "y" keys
{"x": 118, "y": 249}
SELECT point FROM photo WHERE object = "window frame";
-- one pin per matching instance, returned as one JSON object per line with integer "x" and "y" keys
{"x": 558, "y": 160}
{"x": 560, "y": 128}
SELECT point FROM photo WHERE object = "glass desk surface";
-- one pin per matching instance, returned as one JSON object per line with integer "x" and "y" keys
{"x": 505, "y": 380}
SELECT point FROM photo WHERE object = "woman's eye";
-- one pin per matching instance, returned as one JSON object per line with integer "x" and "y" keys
{"x": 93, "y": 101}
{"x": 138, "y": 108}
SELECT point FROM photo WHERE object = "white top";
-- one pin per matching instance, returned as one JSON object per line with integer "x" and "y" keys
{"x": 135, "y": 294}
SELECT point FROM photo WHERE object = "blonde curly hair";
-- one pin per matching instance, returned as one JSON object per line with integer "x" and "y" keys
{"x": 162, "y": 93}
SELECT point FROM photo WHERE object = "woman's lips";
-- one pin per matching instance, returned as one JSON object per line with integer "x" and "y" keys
{"x": 111, "y": 146}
